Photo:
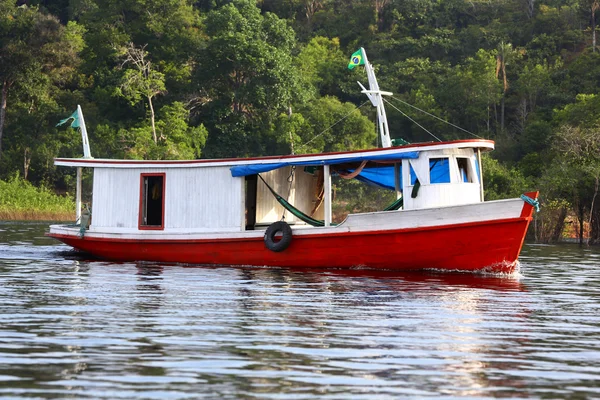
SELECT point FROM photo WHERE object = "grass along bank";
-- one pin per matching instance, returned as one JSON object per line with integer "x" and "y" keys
{"x": 20, "y": 200}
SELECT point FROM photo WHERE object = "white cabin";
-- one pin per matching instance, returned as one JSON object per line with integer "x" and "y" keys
{"x": 160, "y": 197}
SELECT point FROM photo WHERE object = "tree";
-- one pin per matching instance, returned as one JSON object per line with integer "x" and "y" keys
{"x": 471, "y": 92}
{"x": 326, "y": 125}
{"x": 529, "y": 7}
{"x": 500, "y": 181}
{"x": 379, "y": 6}
{"x": 504, "y": 55}
{"x": 311, "y": 7}
{"x": 591, "y": 7}
{"x": 577, "y": 166}
{"x": 320, "y": 64}
{"x": 247, "y": 77}
{"x": 33, "y": 47}
{"x": 177, "y": 140}
{"x": 141, "y": 81}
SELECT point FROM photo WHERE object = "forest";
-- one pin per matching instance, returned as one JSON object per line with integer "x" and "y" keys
{"x": 183, "y": 79}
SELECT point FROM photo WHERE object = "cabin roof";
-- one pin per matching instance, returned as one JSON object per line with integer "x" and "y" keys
{"x": 329, "y": 158}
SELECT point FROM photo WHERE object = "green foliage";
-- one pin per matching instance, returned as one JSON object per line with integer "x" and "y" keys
{"x": 327, "y": 125}
{"x": 176, "y": 140}
{"x": 39, "y": 62}
{"x": 18, "y": 195}
{"x": 471, "y": 92}
{"x": 320, "y": 65}
{"x": 584, "y": 112}
{"x": 240, "y": 77}
{"x": 576, "y": 164}
{"x": 139, "y": 85}
{"x": 502, "y": 182}
{"x": 248, "y": 74}
{"x": 352, "y": 196}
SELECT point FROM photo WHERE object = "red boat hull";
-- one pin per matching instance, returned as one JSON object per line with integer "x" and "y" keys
{"x": 490, "y": 246}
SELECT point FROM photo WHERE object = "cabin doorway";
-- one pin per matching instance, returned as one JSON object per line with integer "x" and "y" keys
{"x": 152, "y": 201}
{"x": 251, "y": 185}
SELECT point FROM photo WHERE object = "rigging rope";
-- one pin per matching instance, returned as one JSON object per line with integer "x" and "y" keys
{"x": 338, "y": 121}
{"x": 436, "y": 117}
{"x": 415, "y": 122}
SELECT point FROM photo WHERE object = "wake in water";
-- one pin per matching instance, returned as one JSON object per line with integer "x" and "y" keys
{"x": 501, "y": 270}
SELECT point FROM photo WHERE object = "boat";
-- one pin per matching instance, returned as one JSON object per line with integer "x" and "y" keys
{"x": 276, "y": 211}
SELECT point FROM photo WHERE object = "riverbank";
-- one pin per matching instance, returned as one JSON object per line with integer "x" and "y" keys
{"x": 36, "y": 215}
{"x": 21, "y": 201}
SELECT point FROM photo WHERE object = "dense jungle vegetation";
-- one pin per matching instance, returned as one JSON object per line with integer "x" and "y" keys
{"x": 215, "y": 78}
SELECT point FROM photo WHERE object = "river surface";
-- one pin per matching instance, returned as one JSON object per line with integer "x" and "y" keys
{"x": 83, "y": 329}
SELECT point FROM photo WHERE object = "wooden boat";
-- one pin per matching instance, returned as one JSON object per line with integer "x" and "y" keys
{"x": 229, "y": 211}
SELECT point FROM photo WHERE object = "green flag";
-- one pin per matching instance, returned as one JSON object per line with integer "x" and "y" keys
{"x": 74, "y": 124}
{"x": 356, "y": 59}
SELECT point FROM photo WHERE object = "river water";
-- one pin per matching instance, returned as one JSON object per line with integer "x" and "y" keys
{"x": 75, "y": 328}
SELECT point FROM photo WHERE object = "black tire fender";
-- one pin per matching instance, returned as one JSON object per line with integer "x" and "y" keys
{"x": 274, "y": 229}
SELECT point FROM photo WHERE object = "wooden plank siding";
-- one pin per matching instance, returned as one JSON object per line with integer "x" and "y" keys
{"x": 199, "y": 199}
{"x": 300, "y": 193}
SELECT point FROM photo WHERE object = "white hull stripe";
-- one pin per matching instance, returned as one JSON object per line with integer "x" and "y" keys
{"x": 356, "y": 223}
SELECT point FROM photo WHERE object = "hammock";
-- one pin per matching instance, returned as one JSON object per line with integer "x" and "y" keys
{"x": 395, "y": 205}
{"x": 307, "y": 218}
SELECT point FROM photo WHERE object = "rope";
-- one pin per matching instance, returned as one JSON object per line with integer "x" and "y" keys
{"x": 436, "y": 117}
{"x": 340, "y": 120}
{"x": 290, "y": 179}
{"x": 351, "y": 175}
{"x": 414, "y": 122}
{"x": 533, "y": 202}
{"x": 84, "y": 220}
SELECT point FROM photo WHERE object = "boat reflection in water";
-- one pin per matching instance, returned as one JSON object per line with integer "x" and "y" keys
{"x": 280, "y": 331}
{"x": 385, "y": 327}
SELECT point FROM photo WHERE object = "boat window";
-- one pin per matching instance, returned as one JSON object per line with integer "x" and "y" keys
{"x": 380, "y": 176}
{"x": 439, "y": 170}
{"x": 152, "y": 201}
{"x": 463, "y": 169}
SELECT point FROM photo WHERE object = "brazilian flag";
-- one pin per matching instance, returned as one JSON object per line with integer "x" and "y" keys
{"x": 356, "y": 59}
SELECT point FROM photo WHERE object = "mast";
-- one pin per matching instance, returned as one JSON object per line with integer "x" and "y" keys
{"x": 86, "y": 154}
{"x": 79, "y": 122}
{"x": 375, "y": 95}
{"x": 84, "y": 135}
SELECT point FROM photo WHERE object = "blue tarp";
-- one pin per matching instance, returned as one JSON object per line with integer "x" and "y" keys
{"x": 382, "y": 176}
{"x": 252, "y": 169}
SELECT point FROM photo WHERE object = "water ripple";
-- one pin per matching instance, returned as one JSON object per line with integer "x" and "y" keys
{"x": 81, "y": 328}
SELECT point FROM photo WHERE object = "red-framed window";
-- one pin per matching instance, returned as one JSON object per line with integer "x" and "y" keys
{"x": 152, "y": 201}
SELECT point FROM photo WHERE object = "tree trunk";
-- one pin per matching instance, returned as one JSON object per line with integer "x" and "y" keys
{"x": 596, "y": 187}
{"x": 530, "y": 8}
{"x": 581, "y": 223}
{"x": 26, "y": 162}
{"x": 502, "y": 113}
{"x": 152, "y": 120}
{"x": 560, "y": 225}
{"x": 593, "y": 30}
{"x": 379, "y": 6}
{"x": 3, "y": 96}
{"x": 595, "y": 228}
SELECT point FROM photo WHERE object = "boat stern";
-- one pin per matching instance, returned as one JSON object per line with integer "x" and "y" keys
{"x": 66, "y": 233}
